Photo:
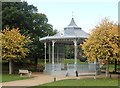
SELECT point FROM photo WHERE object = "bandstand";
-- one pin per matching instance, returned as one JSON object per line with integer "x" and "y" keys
{"x": 72, "y": 35}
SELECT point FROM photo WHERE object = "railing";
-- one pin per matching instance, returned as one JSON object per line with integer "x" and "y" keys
{"x": 71, "y": 68}
{"x": 82, "y": 68}
{"x": 53, "y": 67}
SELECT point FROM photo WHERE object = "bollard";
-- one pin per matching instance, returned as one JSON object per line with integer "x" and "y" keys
{"x": 54, "y": 79}
{"x": 110, "y": 76}
{"x": 76, "y": 73}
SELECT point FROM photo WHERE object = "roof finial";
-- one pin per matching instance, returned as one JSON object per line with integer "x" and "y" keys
{"x": 72, "y": 15}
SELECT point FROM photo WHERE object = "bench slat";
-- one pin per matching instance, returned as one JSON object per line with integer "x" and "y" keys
{"x": 23, "y": 71}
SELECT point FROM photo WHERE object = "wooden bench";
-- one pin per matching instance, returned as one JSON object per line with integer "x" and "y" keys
{"x": 85, "y": 74}
{"x": 21, "y": 72}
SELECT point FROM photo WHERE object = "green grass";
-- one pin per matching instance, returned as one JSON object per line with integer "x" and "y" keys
{"x": 12, "y": 77}
{"x": 83, "y": 82}
{"x": 111, "y": 67}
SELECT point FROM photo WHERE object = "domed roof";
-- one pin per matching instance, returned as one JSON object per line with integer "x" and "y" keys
{"x": 72, "y": 31}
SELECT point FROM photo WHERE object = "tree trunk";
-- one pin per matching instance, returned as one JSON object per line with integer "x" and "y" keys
{"x": 10, "y": 67}
{"x": 107, "y": 68}
{"x": 115, "y": 65}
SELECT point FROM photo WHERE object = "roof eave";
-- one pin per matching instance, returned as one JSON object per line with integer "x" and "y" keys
{"x": 67, "y": 37}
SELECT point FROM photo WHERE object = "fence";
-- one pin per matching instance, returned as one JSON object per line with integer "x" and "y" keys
{"x": 83, "y": 69}
{"x": 71, "y": 69}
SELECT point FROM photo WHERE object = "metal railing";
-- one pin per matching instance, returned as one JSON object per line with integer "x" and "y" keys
{"x": 71, "y": 68}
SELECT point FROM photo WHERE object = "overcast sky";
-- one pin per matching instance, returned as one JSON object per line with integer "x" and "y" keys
{"x": 86, "y": 13}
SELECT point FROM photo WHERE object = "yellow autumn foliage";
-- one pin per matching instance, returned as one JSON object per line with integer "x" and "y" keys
{"x": 14, "y": 44}
{"x": 103, "y": 43}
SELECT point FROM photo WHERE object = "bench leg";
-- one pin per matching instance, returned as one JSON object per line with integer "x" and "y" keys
{"x": 20, "y": 75}
{"x": 29, "y": 74}
{"x": 94, "y": 76}
{"x": 67, "y": 74}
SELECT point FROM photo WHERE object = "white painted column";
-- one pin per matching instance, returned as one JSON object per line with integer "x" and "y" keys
{"x": 75, "y": 52}
{"x": 49, "y": 53}
{"x": 75, "y": 55}
{"x": 57, "y": 54}
{"x": 45, "y": 54}
{"x": 53, "y": 42}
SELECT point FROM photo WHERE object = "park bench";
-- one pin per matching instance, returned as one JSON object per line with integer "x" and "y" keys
{"x": 93, "y": 73}
{"x": 24, "y": 72}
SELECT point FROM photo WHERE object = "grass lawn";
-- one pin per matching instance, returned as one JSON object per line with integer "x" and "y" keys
{"x": 83, "y": 82}
{"x": 12, "y": 77}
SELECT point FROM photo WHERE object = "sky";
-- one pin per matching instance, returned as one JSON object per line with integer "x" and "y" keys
{"x": 86, "y": 13}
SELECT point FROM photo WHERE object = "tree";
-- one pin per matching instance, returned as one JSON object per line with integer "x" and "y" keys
{"x": 25, "y": 17}
{"x": 40, "y": 29}
{"x": 103, "y": 43}
{"x": 19, "y": 15}
{"x": 14, "y": 46}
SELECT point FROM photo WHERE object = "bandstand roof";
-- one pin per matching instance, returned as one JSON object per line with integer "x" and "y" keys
{"x": 72, "y": 31}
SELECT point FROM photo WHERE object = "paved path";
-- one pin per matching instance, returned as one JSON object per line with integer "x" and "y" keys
{"x": 40, "y": 78}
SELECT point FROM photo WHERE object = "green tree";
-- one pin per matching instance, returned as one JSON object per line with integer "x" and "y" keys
{"x": 14, "y": 46}
{"x": 19, "y": 15}
{"x": 103, "y": 43}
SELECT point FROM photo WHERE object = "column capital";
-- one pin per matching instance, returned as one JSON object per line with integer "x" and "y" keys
{"x": 75, "y": 42}
{"x": 53, "y": 42}
{"x": 45, "y": 44}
